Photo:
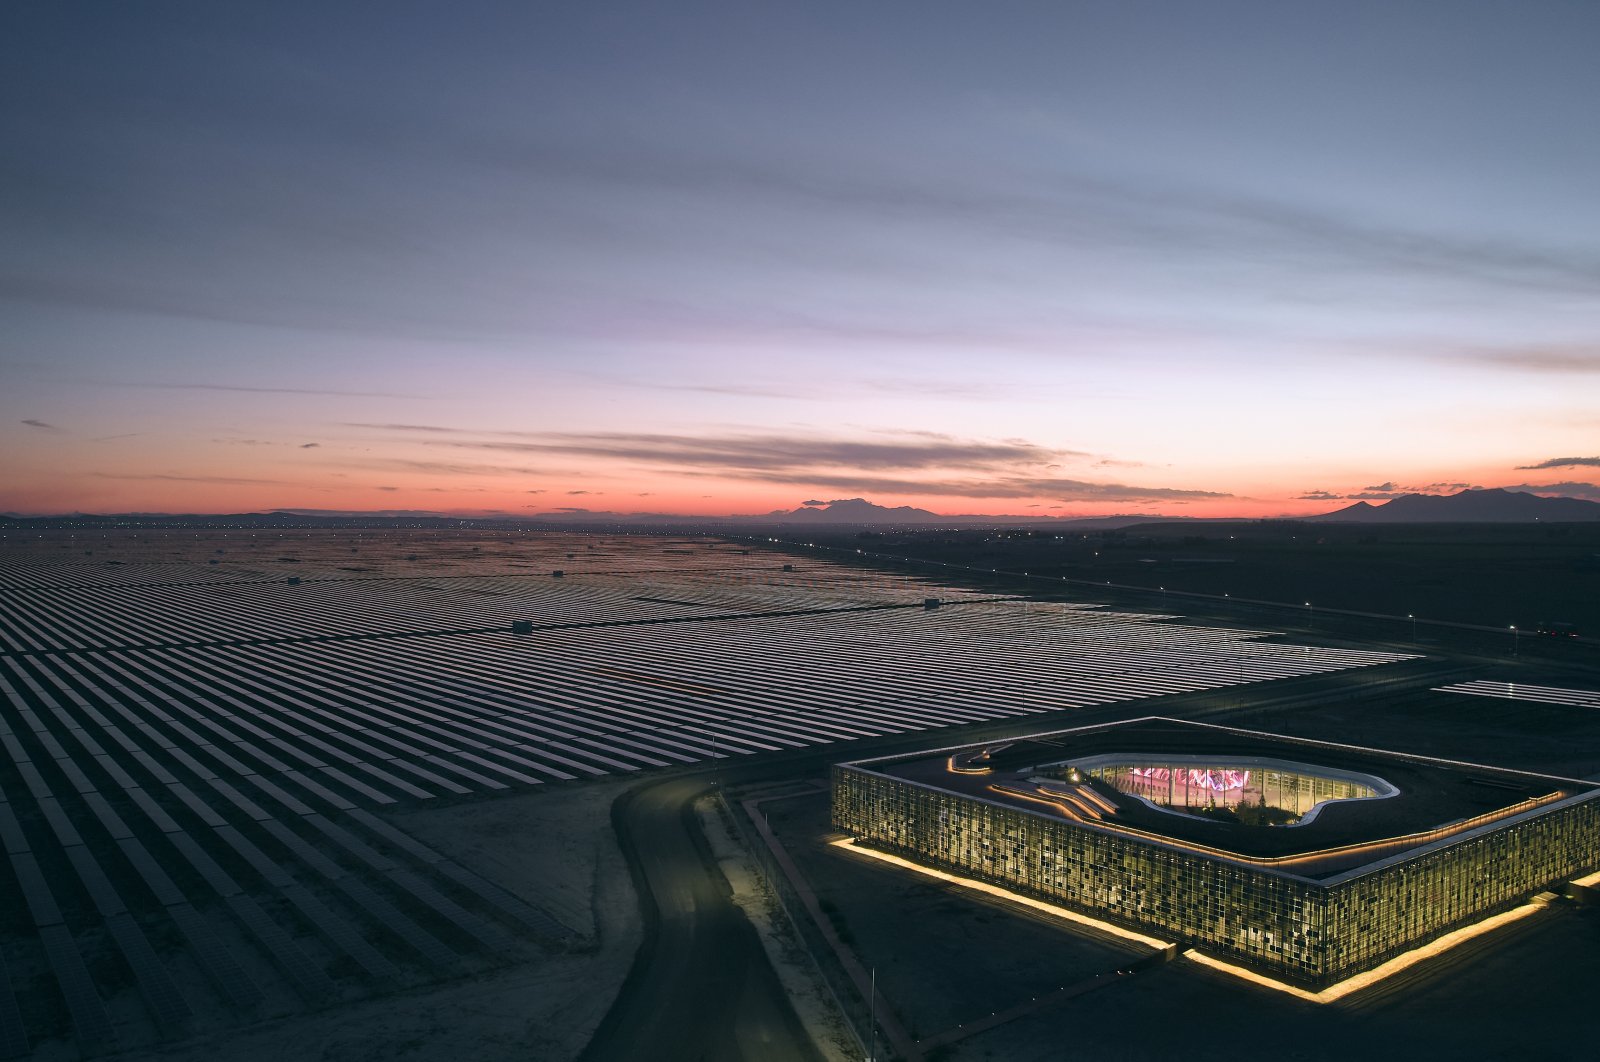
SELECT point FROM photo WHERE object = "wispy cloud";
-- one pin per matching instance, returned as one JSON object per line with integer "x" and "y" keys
{"x": 327, "y": 391}
{"x": 1555, "y": 360}
{"x": 1318, "y": 495}
{"x": 769, "y": 452}
{"x": 1390, "y": 489}
{"x": 904, "y": 462}
{"x": 42, "y": 426}
{"x": 437, "y": 468}
{"x": 1564, "y": 462}
{"x": 168, "y": 477}
{"x": 436, "y": 429}
{"x": 998, "y": 487}
{"x": 1568, "y": 489}
{"x": 1070, "y": 207}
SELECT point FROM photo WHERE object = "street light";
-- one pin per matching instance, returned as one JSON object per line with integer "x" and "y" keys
{"x": 1514, "y": 639}
{"x": 1413, "y": 620}
{"x": 872, "y": 1015}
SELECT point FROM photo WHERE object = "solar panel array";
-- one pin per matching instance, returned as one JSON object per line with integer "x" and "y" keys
{"x": 195, "y": 770}
{"x": 1522, "y": 691}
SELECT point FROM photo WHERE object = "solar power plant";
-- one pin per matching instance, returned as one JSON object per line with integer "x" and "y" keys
{"x": 198, "y": 756}
{"x": 1521, "y": 691}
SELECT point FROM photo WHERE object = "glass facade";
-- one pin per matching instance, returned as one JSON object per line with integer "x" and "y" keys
{"x": 1312, "y": 932}
{"x": 1253, "y": 794}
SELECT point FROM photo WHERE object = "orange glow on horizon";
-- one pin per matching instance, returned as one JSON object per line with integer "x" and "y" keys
{"x": 220, "y": 471}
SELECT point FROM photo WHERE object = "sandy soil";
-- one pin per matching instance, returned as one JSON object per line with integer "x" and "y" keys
{"x": 555, "y": 849}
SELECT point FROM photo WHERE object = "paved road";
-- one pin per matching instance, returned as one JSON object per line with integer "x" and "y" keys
{"x": 701, "y": 989}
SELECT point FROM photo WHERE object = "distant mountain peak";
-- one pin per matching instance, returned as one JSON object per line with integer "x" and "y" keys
{"x": 1487, "y": 505}
{"x": 854, "y": 511}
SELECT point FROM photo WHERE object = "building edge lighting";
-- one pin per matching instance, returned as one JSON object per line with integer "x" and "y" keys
{"x": 1391, "y": 902}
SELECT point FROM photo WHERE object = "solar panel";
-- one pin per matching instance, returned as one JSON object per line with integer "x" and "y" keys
{"x": 215, "y": 876}
{"x": 530, "y": 916}
{"x": 486, "y": 934}
{"x": 11, "y": 830}
{"x": 213, "y": 956}
{"x": 13, "y": 1037}
{"x": 35, "y": 890}
{"x": 340, "y": 932}
{"x": 154, "y": 811}
{"x": 155, "y": 984}
{"x": 305, "y": 852}
{"x": 166, "y": 893}
{"x": 60, "y": 825}
{"x": 196, "y": 805}
{"x": 307, "y": 978}
{"x": 389, "y": 917}
{"x": 105, "y": 897}
{"x": 320, "y": 790}
{"x": 89, "y": 1022}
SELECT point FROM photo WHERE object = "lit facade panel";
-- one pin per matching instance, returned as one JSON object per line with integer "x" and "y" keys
{"x": 1301, "y": 927}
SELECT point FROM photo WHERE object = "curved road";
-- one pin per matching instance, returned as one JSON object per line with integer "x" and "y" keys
{"x": 701, "y": 987}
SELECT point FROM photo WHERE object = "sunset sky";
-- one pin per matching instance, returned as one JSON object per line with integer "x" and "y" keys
{"x": 1048, "y": 258}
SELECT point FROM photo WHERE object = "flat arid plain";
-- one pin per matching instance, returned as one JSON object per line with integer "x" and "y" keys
{"x": 437, "y": 795}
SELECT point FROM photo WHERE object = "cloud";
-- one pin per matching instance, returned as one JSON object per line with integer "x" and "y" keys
{"x": 309, "y": 446}
{"x": 442, "y": 468}
{"x": 577, "y": 492}
{"x": 1569, "y": 489}
{"x": 997, "y": 487}
{"x": 41, "y": 425}
{"x": 231, "y": 481}
{"x": 935, "y": 388}
{"x": 540, "y": 491}
{"x": 738, "y": 390}
{"x": 814, "y": 502}
{"x": 434, "y": 428}
{"x": 751, "y": 452}
{"x": 1318, "y": 495}
{"x": 1068, "y": 208}
{"x": 1384, "y": 491}
{"x": 1564, "y": 462}
{"x": 899, "y": 462}
{"x": 271, "y": 390}
{"x": 387, "y": 488}
{"x": 1556, "y": 360}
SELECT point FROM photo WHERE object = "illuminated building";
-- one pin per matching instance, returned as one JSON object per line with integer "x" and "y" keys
{"x": 1309, "y": 861}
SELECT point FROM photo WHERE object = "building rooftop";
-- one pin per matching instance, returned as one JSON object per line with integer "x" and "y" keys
{"x": 1310, "y": 808}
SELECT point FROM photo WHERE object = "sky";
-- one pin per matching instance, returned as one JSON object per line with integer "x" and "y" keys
{"x": 1059, "y": 258}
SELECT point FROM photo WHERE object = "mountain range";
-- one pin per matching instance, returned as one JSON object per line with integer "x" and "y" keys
{"x": 1469, "y": 506}
{"x": 1490, "y": 506}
